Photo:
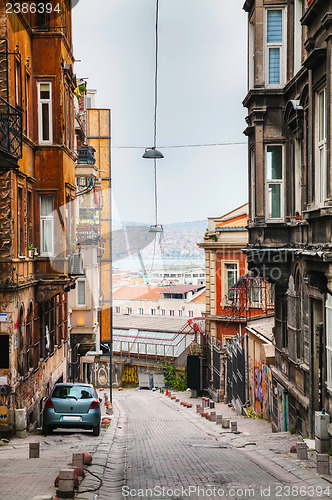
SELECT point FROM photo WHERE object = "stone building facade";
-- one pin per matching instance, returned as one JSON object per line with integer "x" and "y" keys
{"x": 290, "y": 205}
{"x": 37, "y": 182}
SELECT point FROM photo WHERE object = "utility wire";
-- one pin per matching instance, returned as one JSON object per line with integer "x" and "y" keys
{"x": 155, "y": 114}
{"x": 189, "y": 145}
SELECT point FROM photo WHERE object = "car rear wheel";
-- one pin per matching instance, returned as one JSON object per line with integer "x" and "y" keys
{"x": 47, "y": 430}
{"x": 96, "y": 430}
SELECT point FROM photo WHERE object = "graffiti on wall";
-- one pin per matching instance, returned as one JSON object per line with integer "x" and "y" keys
{"x": 262, "y": 386}
{"x": 129, "y": 374}
{"x": 5, "y": 402}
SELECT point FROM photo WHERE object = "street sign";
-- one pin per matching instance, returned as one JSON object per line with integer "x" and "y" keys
{"x": 3, "y": 317}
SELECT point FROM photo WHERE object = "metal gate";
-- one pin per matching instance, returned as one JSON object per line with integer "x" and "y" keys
{"x": 236, "y": 366}
{"x": 214, "y": 353}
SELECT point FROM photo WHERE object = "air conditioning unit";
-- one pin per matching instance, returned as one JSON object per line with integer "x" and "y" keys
{"x": 76, "y": 264}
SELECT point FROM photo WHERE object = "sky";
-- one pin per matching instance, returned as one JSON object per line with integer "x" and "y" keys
{"x": 202, "y": 81}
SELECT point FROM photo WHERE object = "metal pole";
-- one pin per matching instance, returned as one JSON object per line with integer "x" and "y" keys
{"x": 111, "y": 265}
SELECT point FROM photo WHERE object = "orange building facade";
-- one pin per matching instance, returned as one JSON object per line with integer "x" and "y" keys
{"x": 37, "y": 183}
{"x": 233, "y": 296}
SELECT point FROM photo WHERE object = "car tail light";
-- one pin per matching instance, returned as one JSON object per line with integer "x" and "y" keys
{"x": 49, "y": 403}
{"x": 94, "y": 405}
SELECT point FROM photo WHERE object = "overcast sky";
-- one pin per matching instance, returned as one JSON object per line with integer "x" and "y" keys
{"x": 201, "y": 85}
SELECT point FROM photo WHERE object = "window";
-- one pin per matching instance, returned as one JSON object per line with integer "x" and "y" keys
{"x": 46, "y": 224}
{"x": 171, "y": 312}
{"x": 162, "y": 312}
{"x": 191, "y": 314}
{"x": 297, "y": 176}
{"x": 18, "y": 81}
{"x": 231, "y": 279}
{"x": 45, "y": 132}
{"x": 252, "y": 184}
{"x": 152, "y": 312}
{"x": 251, "y": 52}
{"x": 321, "y": 163}
{"x": 329, "y": 342}
{"x": 274, "y": 182}
{"x": 30, "y": 218}
{"x": 81, "y": 293}
{"x": 129, "y": 310}
{"x": 117, "y": 310}
{"x": 20, "y": 223}
{"x": 140, "y": 310}
{"x": 27, "y": 105}
{"x": 256, "y": 291}
{"x": 4, "y": 351}
{"x": 297, "y": 35}
{"x": 275, "y": 47}
{"x": 180, "y": 312}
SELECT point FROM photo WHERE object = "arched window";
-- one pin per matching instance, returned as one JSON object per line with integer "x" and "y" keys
{"x": 21, "y": 359}
{"x": 29, "y": 337}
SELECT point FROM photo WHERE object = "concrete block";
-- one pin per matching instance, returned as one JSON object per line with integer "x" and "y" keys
{"x": 198, "y": 408}
{"x": 34, "y": 450}
{"x": 20, "y": 420}
{"x": 66, "y": 483}
{"x": 322, "y": 445}
{"x": 219, "y": 419}
{"x": 78, "y": 460}
{"x": 226, "y": 423}
{"x": 213, "y": 416}
{"x": 323, "y": 464}
{"x": 169, "y": 394}
{"x": 302, "y": 451}
{"x": 234, "y": 426}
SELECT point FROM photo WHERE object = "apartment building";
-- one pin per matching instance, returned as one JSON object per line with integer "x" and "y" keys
{"x": 289, "y": 151}
{"x": 37, "y": 182}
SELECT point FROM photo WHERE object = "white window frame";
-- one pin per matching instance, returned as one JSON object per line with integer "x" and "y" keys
{"x": 129, "y": 310}
{"x": 191, "y": 314}
{"x": 162, "y": 312}
{"x": 251, "y": 52}
{"x": 328, "y": 314}
{"x": 253, "y": 183}
{"x": 297, "y": 36}
{"x": 233, "y": 263}
{"x": 117, "y": 310}
{"x": 281, "y": 45}
{"x": 275, "y": 181}
{"x": 320, "y": 149}
{"x": 81, "y": 306}
{"x": 46, "y": 217}
{"x": 140, "y": 310}
{"x": 180, "y": 312}
{"x": 153, "y": 311}
{"x": 171, "y": 312}
{"x": 40, "y": 114}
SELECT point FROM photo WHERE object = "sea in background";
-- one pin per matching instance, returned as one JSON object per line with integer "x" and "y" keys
{"x": 133, "y": 263}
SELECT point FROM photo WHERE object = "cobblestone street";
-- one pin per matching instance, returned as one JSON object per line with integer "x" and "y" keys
{"x": 173, "y": 453}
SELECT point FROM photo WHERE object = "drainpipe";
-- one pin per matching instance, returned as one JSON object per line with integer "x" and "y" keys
{"x": 320, "y": 366}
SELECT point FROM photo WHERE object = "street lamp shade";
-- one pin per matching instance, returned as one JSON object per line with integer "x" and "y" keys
{"x": 152, "y": 153}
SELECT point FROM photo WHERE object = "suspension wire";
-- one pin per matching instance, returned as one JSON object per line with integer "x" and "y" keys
{"x": 155, "y": 113}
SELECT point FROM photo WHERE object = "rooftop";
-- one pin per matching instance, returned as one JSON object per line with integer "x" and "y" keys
{"x": 166, "y": 324}
{"x": 262, "y": 327}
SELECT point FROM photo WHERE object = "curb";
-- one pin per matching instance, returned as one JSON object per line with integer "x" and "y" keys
{"x": 99, "y": 462}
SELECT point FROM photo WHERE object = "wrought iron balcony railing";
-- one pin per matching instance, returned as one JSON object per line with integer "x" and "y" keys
{"x": 10, "y": 129}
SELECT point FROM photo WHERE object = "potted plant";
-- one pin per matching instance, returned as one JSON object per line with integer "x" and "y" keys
{"x": 31, "y": 251}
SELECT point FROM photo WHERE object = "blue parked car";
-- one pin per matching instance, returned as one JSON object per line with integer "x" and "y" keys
{"x": 72, "y": 405}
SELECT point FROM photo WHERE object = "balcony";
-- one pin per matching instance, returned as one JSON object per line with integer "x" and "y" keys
{"x": 85, "y": 164}
{"x": 10, "y": 135}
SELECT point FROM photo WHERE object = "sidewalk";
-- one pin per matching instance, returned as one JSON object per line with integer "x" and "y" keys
{"x": 256, "y": 439}
{"x": 33, "y": 479}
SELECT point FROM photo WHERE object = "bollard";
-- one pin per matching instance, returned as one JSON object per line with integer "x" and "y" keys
{"x": 211, "y": 403}
{"x": 34, "y": 450}
{"x": 198, "y": 408}
{"x": 219, "y": 419}
{"x": 66, "y": 483}
{"x": 213, "y": 416}
{"x": 169, "y": 394}
{"x": 323, "y": 464}
{"x": 233, "y": 426}
{"x": 225, "y": 423}
{"x": 78, "y": 460}
{"x": 302, "y": 451}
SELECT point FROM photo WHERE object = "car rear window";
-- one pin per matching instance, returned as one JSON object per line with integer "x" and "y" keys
{"x": 79, "y": 392}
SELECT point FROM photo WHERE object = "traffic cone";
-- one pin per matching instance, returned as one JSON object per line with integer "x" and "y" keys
{"x": 166, "y": 392}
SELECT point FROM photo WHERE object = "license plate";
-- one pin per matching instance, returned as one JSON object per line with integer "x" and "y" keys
{"x": 70, "y": 418}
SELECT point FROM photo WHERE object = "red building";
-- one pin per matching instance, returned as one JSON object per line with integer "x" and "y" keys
{"x": 233, "y": 296}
